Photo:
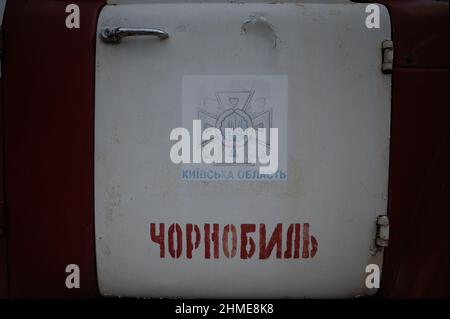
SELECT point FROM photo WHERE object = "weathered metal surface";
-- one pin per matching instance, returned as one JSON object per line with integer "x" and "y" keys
{"x": 338, "y": 106}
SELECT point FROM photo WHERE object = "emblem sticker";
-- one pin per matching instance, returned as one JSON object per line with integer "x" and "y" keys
{"x": 247, "y": 115}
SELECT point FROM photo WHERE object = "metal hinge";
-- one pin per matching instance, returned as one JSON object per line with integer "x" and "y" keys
{"x": 387, "y": 49}
{"x": 382, "y": 238}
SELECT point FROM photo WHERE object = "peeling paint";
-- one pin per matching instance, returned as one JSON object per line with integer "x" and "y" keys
{"x": 113, "y": 202}
{"x": 182, "y": 28}
{"x": 334, "y": 12}
{"x": 259, "y": 25}
{"x": 106, "y": 250}
{"x": 116, "y": 139}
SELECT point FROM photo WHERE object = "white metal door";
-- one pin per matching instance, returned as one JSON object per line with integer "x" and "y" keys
{"x": 313, "y": 71}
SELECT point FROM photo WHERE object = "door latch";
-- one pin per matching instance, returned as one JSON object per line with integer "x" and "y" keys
{"x": 387, "y": 49}
{"x": 115, "y": 35}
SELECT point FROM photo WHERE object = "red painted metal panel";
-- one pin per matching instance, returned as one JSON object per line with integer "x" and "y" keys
{"x": 49, "y": 113}
{"x": 3, "y": 224}
{"x": 416, "y": 263}
{"x": 420, "y": 32}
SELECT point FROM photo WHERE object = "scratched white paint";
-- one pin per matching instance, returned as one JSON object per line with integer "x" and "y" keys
{"x": 337, "y": 155}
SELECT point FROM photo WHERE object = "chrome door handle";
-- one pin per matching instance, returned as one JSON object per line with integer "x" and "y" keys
{"x": 115, "y": 35}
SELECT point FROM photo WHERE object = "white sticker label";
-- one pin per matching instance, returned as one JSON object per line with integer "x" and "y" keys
{"x": 250, "y": 114}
